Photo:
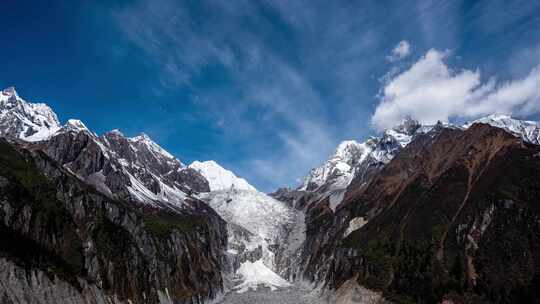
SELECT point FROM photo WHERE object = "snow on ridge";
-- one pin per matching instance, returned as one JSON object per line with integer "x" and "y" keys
{"x": 77, "y": 124}
{"x": 350, "y": 153}
{"x": 7, "y": 93}
{"x": 220, "y": 178}
{"x": 37, "y": 122}
{"x": 153, "y": 146}
{"x": 527, "y": 130}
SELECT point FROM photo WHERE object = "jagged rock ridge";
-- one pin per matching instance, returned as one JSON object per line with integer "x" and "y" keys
{"x": 134, "y": 168}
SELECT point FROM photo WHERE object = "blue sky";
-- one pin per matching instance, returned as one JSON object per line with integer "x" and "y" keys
{"x": 269, "y": 88}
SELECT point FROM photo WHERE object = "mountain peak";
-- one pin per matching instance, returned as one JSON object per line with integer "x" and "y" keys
{"x": 498, "y": 116}
{"x": 528, "y": 130}
{"x": 116, "y": 132}
{"x": 345, "y": 148}
{"x": 143, "y": 136}
{"x": 10, "y": 91}
{"x": 76, "y": 124}
{"x": 408, "y": 125}
{"x": 220, "y": 178}
{"x": 25, "y": 120}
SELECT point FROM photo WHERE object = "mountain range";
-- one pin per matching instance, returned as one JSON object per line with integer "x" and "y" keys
{"x": 418, "y": 214}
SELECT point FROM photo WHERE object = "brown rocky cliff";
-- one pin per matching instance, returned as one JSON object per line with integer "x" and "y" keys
{"x": 441, "y": 217}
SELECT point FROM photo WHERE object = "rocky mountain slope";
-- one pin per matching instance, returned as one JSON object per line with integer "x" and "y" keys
{"x": 438, "y": 222}
{"x": 64, "y": 241}
{"x": 124, "y": 211}
{"x": 360, "y": 161}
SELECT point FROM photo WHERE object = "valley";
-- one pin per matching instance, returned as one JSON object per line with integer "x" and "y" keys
{"x": 417, "y": 214}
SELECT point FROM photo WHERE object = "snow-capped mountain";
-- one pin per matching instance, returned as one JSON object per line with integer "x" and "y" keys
{"x": 24, "y": 120}
{"x": 128, "y": 168}
{"x": 135, "y": 168}
{"x": 350, "y": 155}
{"x": 355, "y": 160}
{"x": 259, "y": 227}
{"x": 220, "y": 178}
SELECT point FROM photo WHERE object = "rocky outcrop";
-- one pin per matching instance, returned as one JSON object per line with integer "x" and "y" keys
{"x": 65, "y": 242}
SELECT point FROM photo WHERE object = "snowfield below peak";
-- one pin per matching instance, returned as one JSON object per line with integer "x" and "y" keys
{"x": 220, "y": 178}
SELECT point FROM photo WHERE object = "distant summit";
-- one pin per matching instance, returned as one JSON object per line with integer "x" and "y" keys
{"x": 220, "y": 178}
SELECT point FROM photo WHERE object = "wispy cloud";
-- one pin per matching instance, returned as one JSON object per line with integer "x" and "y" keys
{"x": 166, "y": 31}
{"x": 272, "y": 96}
{"x": 285, "y": 81}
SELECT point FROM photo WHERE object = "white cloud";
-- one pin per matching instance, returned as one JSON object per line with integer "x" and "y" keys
{"x": 429, "y": 91}
{"x": 400, "y": 51}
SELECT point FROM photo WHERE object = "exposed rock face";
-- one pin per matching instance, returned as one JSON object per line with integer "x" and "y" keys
{"x": 65, "y": 242}
{"x": 454, "y": 216}
{"x": 126, "y": 168}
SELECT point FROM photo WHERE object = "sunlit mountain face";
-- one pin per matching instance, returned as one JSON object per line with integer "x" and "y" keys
{"x": 269, "y": 152}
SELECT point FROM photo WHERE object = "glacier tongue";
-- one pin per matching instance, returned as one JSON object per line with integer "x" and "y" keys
{"x": 257, "y": 227}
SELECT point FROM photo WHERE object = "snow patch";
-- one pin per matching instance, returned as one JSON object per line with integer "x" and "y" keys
{"x": 355, "y": 224}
